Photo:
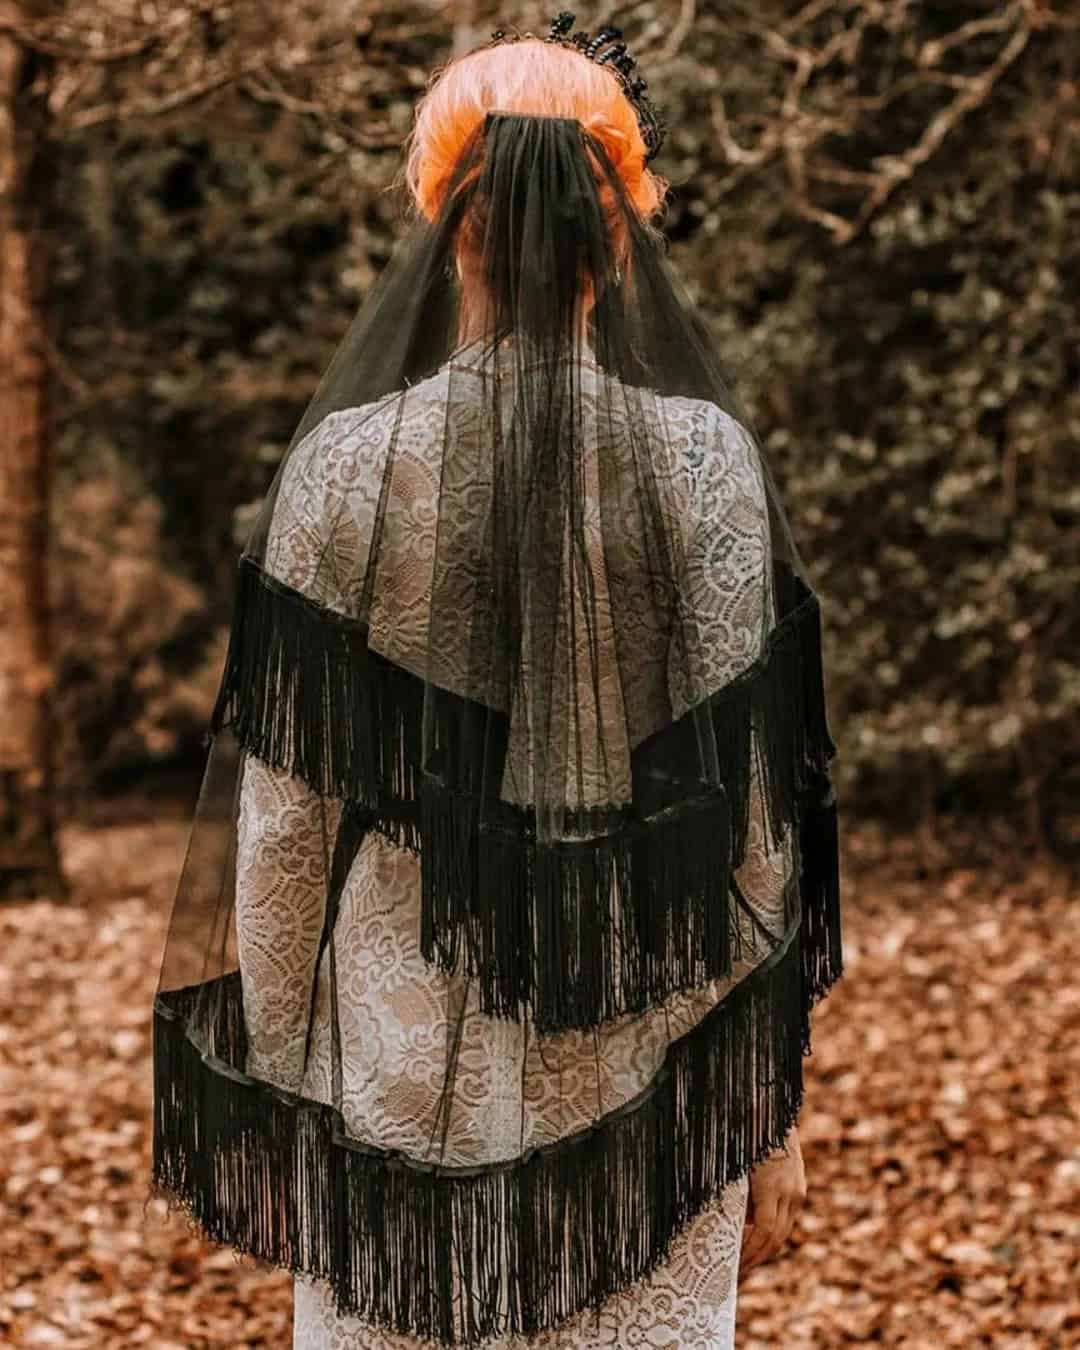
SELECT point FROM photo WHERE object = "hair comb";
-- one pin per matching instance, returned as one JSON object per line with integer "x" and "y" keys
{"x": 605, "y": 49}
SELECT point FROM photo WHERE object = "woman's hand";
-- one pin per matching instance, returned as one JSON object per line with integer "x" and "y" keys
{"x": 777, "y": 1192}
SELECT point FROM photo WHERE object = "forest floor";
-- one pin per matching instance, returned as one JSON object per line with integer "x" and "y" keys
{"x": 942, "y": 1154}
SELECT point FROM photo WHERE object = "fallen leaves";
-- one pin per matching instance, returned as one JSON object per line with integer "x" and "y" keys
{"x": 941, "y": 1146}
{"x": 941, "y": 1143}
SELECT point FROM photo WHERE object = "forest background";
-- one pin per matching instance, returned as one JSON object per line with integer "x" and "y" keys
{"x": 875, "y": 202}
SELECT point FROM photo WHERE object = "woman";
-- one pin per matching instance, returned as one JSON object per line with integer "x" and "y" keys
{"x": 514, "y": 876}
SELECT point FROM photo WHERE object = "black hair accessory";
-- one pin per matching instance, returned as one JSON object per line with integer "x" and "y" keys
{"x": 605, "y": 49}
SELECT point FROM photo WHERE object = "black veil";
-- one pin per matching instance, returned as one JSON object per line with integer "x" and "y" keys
{"x": 523, "y": 605}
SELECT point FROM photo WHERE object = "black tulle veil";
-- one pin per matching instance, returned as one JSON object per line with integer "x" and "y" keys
{"x": 542, "y": 711}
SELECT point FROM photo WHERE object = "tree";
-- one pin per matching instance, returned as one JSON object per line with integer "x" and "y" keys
{"x": 28, "y": 858}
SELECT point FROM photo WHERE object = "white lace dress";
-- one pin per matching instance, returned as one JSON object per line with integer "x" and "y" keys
{"x": 514, "y": 1089}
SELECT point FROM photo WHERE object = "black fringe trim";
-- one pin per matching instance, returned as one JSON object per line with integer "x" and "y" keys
{"x": 558, "y": 943}
{"x": 819, "y": 889}
{"x": 304, "y": 692}
{"x": 538, "y": 1238}
{"x": 574, "y": 933}
{"x": 781, "y": 697}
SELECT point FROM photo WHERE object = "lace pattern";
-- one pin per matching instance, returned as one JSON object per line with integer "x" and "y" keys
{"x": 513, "y": 1089}
{"x": 689, "y": 1303}
{"x": 710, "y": 480}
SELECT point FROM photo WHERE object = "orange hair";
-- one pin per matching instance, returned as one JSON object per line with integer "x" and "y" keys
{"x": 525, "y": 76}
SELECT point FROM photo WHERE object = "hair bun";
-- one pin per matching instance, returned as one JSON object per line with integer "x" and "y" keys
{"x": 614, "y": 140}
{"x": 527, "y": 76}
{"x": 627, "y": 159}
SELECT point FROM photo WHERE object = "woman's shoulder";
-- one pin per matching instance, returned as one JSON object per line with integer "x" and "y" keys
{"x": 712, "y": 450}
{"x": 348, "y": 430}
{"x": 705, "y": 432}
{"x": 361, "y": 430}
{"x": 705, "y": 422}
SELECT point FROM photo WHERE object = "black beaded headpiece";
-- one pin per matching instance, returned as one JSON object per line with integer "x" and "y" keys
{"x": 605, "y": 48}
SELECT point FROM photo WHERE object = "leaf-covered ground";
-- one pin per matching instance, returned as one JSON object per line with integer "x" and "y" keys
{"x": 942, "y": 1148}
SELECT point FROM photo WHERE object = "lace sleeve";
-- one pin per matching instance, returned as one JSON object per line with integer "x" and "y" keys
{"x": 728, "y": 588}
{"x": 285, "y": 835}
{"x": 286, "y": 831}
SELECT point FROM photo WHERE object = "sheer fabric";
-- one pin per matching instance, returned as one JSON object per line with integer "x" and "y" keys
{"x": 515, "y": 1089}
{"x": 689, "y": 1303}
{"x": 514, "y": 875}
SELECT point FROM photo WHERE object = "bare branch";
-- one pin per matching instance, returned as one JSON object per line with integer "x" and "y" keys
{"x": 897, "y": 169}
{"x": 735, "y": 153}
{"x": 807, "y": 15}
{"x": 810, "y": 109}
{"x": 930, "y": 53}
{"x": 146, "y": 109}
{"x": 685, "y": 21}
{"x": 375, "y": 136}
{"x": 124, "y": 51}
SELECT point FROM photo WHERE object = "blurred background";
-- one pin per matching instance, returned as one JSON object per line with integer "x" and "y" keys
{"x": 877, "y": 204}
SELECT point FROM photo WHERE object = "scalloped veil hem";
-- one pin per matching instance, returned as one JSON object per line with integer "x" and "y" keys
{"x": 535, "y": 1239}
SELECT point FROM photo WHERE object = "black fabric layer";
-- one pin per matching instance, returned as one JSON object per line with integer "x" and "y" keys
{"x": 276, "y": 1175}
{"x": 538, "y": 929}
{"x": 525, "y": 465}
{"x": 819, "y": 885}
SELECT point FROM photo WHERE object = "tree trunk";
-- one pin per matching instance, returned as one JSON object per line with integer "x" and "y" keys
{"x": 28, "y": 858}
